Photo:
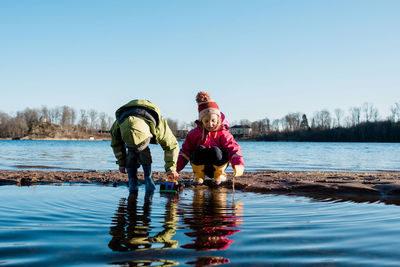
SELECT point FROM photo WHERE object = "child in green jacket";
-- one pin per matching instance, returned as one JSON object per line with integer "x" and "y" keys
{"x": 139, "y": 123}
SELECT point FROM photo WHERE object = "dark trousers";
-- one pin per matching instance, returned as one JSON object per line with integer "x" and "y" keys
{"x": 209, "y": 157}
{"x": 134, "y": 159}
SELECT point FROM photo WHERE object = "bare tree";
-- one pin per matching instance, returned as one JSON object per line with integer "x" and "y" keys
{"x": 395, "y": 109}
{"x": 30, "y": 115}
{"x": 256, "y": 128}
{"x": 370, "y": 112}
{"x": 65, "y": 116}
{"x": 4, "y": 119}
{"x": 245, "y": 122}
{"x": 374, "y": 114}
{"x": 110, "y": 121}
{"x": 322, "y": 120}
{"x": 17, "y": 127}
{"x": 103, "y": 121}
{"x": 84, "y": 119}
{"x": 291, "y": 122}
{"x": 338, "y": 116}
{"x": 55, "y": 115}
{"x": 276, "y": 125}
{"x": 68, "y": 116}
{"x": 173, "y": 125}
{"x": 266, "y": 126}
{"x": 355, "y": 114}
{"x": 313, "y": 125}
{"x": 45, "y": 114}
{"x": 72, "y": 116}
{"x": 93, "y": 118}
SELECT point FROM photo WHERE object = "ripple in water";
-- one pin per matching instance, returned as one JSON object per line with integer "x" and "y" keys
{"x": 99, "y": 225}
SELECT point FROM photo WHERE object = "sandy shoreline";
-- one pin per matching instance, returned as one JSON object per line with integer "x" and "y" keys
{"x": 356, "y": 186}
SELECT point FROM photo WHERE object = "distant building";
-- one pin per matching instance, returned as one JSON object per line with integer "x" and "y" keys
{"x": 240, "y": 130}
{"x": 43, "y": 119}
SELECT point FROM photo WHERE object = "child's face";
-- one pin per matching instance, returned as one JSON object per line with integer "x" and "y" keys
{"x": 211, "y": 122}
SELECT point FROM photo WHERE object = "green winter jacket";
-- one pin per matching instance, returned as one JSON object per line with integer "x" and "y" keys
{"x": 162, "y": 134}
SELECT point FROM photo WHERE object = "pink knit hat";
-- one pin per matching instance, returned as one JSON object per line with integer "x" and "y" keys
{"x": 206, "y": 104}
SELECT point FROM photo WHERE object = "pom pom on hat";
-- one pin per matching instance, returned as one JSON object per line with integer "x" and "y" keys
{"x": 203, "y": 97}
{"x": 206, "y": 105}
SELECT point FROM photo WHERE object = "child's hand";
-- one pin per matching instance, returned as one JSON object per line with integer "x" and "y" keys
{"x": 122, "y": 169}
{"x": 238, "y": 170}
{"x": 172, "y": 175}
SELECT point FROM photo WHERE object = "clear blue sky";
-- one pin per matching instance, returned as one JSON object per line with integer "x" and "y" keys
{"x": 256, "y": 58}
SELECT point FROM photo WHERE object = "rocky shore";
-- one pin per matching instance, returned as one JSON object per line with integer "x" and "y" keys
{"x": 354, "y": 186}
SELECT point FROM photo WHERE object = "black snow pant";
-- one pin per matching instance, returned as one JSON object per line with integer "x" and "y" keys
{"x": 209, "y": 157}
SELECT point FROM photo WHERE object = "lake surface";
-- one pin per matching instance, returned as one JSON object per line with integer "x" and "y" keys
{"x": 89, "y": 225}
{"x": 97, "y": 155}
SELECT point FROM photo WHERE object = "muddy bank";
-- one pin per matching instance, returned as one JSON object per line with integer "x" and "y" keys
{"x": 356, "y": 186}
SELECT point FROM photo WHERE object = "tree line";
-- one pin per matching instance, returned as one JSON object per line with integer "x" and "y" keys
{"x": 54, "y": 122}
{"x": 66, "y": 122}
{"x": 358, "y": 124}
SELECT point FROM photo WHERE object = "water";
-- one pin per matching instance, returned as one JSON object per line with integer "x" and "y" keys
{"x": 89, "y": 225}
{"x": 292, "y": 156}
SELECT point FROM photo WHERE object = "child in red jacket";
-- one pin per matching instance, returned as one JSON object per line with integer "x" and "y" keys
{"x": 210, "y": 146}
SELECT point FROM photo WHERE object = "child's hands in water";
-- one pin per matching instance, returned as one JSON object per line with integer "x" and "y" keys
{"x": 238, "y": 170}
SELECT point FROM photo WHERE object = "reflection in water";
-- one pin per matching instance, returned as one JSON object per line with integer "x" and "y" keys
{"x": 212, "y": 221}
{"x": 131, "y": 225}
{"x": 209, "y": 261}
{"x": 153, "y": 262}
{"x": 352, "y": 198}
{"x": 210, "y": 216}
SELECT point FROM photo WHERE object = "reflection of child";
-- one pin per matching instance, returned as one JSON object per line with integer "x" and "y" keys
{"x": 210, "y": 145}
{"x": 209, "y": 261}
{"x": 212, "y": 220}
{"x": 132, "y": 225}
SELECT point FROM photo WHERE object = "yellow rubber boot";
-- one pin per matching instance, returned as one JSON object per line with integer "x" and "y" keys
{"x": 199, "y": 175}
{"x": 219, "y": 173}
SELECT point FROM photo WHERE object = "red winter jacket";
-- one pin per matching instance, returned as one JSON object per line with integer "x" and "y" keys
{"x": 221, "y": 138}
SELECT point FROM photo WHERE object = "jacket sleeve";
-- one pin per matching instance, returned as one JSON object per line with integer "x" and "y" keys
{"x": 186, "y": 151}
{"x": 117, "y": 144}
{"x": 232, "y": 147}
{"x": 169, "y": 144}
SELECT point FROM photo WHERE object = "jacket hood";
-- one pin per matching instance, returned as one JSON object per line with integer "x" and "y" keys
{"x": 139, "y": 103}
